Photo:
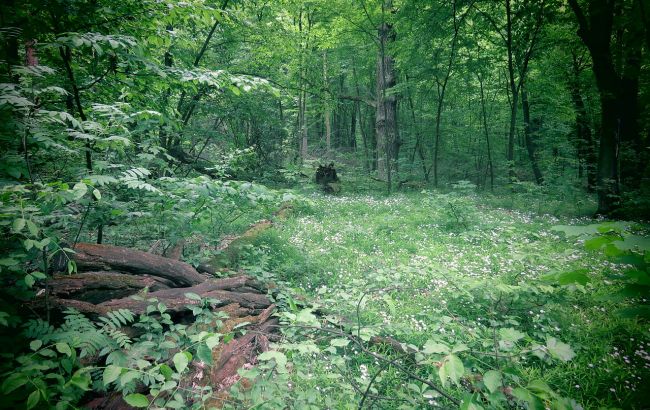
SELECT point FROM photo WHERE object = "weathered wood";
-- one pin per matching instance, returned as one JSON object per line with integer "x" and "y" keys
{"x": 176, "y": 301}
{"x": 98, "y": 287}
{"x": 242, "y": 350}
{"x": 93, "y": 257}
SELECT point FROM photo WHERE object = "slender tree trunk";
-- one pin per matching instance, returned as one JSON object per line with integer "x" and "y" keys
{"x": 386, "y": 110}
{"x": 442, "y": 87}
{"x": 529, "y": 135}
{"x": 486, "y": 131}
{"x": 353, "y": 126}
{"x": 587, "y": 157}
{"x": 304, "y": 128}
{"x": 66, "y": 56}
{"x": 513, "y": 93}
{"x": 327, "y": 114}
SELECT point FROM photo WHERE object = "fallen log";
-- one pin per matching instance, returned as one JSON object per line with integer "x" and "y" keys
{"x": 176, "y": 301}
{"x": 242, "y": 350}
{"x": 98, "y": 287}
{"x": 94, "y": 257}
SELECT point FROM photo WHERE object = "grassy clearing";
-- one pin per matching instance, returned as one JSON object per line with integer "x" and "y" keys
{"x": 461, "y": 274}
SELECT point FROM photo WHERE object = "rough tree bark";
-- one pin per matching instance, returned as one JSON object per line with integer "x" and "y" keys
{"x": 91, "y": 257}
{"x": 618, "y": 88}
{"x": 386, "y": 108}
{"x": 530, "y": 131}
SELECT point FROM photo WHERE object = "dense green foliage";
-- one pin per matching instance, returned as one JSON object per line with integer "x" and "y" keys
{"x": 488, "y": 247}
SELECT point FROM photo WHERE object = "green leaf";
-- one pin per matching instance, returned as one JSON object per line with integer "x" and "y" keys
{"x": 18, "y": 225}
{"x": 192, "y": 296}
{"x": 567, "y": 278}
{"x": 492, "y": 380}
{"x": 510, "y": 334}
{"x": 13, "y": 382}
{"x": 111, "y": 373}
{"x": 81, "y": 379}
{"x": 631, "y": 242}
{"x": 212, "y": 341}
{"x": 129, "y": 377}
{"x": 576, "y": 230}
{"x": 204, "y": 353}
{"x": 279, "y": 357}
{"x": 137, "y": 400}
{"x": 342, "y": 342}
{"x": 29, "y": 280}
{"x": 79, "y": 190}
{"x": 97, "y": 194}
{"x": 33, "y": 399}
{"x": 461, "y": 347}
{"x": 559, "y": 350}
{"x": 576, "y": 276}
{"x": 452, "y": 368}
{"x": 306, "y": 316}
{"x": 598, "y": 242}
{"x": 431, "y": 347}
{"x": 35, "y": 344}
{"x": 540, "y": 389}
{"x": 180, "y": 361}
{"x": 63, "y": 348}
{"x": 166, "y": 371}
{"x": 32, "y": 228}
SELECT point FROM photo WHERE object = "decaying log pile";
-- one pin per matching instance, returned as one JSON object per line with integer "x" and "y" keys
{"x": 109, "y": 277}
{"x": 112, "y": 277}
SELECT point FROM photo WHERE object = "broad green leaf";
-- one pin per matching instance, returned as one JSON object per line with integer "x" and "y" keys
{"x": 631, "y": 242}
{"x": 431, "y": 347}
{"x": 540, "y": 388}
{"x": 129, "y": 377}
{"x": 166, "y": 371}
{"x": 576, "y": 230}
{"x": 111, "y": 373}
{"x": 29, "y": 280}
{"x": 559, "y": 350}
{"x": 137, "y": 400}
{"x": 35, "y": 344}
{"x": 32, "y": 228}
{"x": 342, "y": 342}
{"x": 510, "y": 334}
{"x": 204, "y": 353}
{"x": 63, "y": 348}
{"x": 451, "y": 368}
{"x": 279, "y": 357}
{"x": 212, "y": 341}
{"x": 18, "y": 225}
{"x": 33, "y": 399}
{"x": 492, "y": 380}
{"x": 180, "y": 361}
{"x": 192, "y": 296}
{"x": 306, "y": 316}
{"x": 13, "y": 382}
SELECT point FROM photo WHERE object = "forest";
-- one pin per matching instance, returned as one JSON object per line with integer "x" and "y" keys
{"x": 324, "y": 204}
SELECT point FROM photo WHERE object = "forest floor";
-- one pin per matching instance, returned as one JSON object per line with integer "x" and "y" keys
{"x": 428, "y": 268}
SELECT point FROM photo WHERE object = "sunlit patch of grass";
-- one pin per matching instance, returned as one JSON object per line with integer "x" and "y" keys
{"x": 446, "y": 252}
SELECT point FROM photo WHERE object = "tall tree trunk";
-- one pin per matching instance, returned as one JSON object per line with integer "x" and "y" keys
{"x": 386, "y": 110}
{"x": 303, "y": 127}
{"x": 618, "y": 96}
{"x": 442, "y": 87}
{"x": 530, "y": 132}
{"x": 486, "y": 132}
{"x": 514, "y": 93}
{"x": 327, "y": 115}
{"x": 353, "y": 126}
{"x": 584, "y": 141}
